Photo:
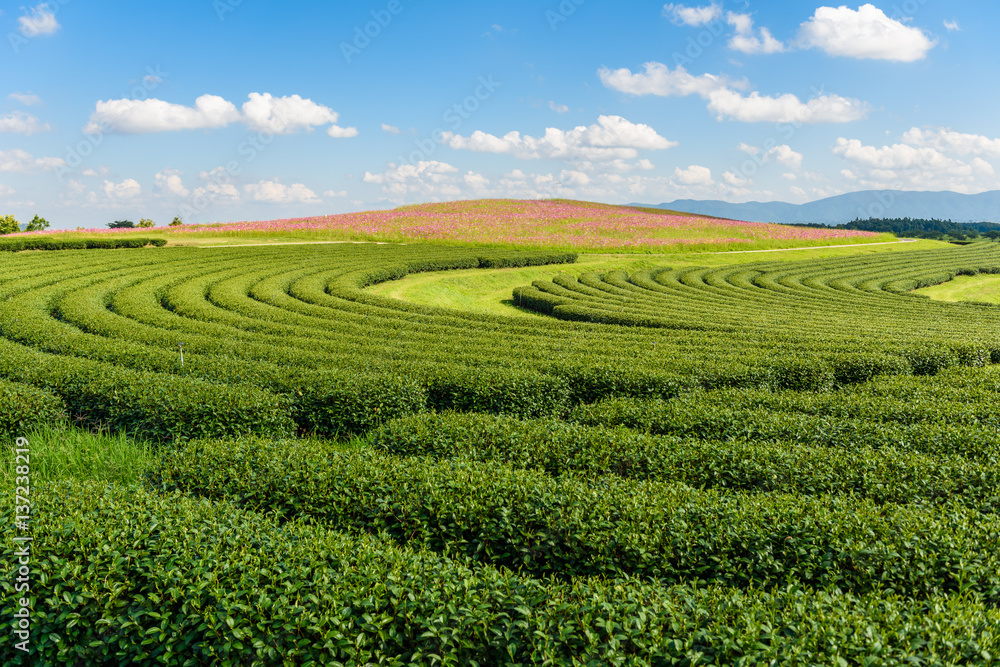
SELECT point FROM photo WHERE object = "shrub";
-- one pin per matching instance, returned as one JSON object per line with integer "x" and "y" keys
{"x": 37, "y": 224}
{"x": 23, "y": 408}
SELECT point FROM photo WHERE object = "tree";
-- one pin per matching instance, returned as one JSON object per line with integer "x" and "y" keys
{"x": 146, "y": 223}
{"x": 37, "y": 224}
{"x": 8, "y": 225}
{"x": 176, "y": 222}
{"x": 121, "y": 224}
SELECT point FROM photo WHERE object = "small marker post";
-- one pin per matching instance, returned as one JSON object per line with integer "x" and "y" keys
{"x": 181, "y": 347}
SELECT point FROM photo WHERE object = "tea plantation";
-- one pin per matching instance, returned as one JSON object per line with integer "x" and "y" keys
{"x": 769, "y": 463}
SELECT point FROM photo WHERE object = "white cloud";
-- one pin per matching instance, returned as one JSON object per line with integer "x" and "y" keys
{"x": 863, "y": 33}
{"x": 168, "y": 182}
{"x": 20, "y": 122}
{"x": 475, "y": 181}
{"x": 748, "y": 149}
{"x": 659, "y": 80}
{"x": 848, "y": 174}
{"x": 757, "y": 108}
{"x": 897, "y": 156}
{"x": 218, "y": 187}
{"x": 39, "y": 21}
{"x": 335, "y": 193}
{"x": 129, "y": 116}
{"x": 27, "y": 99}
{"x": 127, "y": 189}
{"x": 902, "y": 166}
{"x": 611, "y": 138}
{"x": 693, "y": 16}
{"x": 275, "y": 192}
{"x": 694, "y": 175}
{"x": 6, "y": 190}
{"x": 262, "y": 112}
{"x": 286, "y": 115}
{"x": 957, "y": 143}
{"x": 22, "y": 162}
{"x": 391, "y": 129}
{"x": 951, "y": 26}
{"x": 558, "y": 108}
{"x": 789, "y": 176}
{"x": 745, "y": 41}
{"x": 786, "y": 156}
{"x": 428, "y": 177}
{"x": 731, "y": 179}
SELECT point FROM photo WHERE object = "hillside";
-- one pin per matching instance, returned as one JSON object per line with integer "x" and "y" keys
{"x": 530, "y": 224}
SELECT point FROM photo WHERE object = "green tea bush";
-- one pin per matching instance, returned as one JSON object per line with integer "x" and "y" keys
{"x": 567, "y": 527}
{"x": 23, "y": 408}
{"x": 187, "y": 582}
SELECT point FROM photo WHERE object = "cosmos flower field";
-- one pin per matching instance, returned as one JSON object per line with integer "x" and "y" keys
{"x": 553, "y": 224}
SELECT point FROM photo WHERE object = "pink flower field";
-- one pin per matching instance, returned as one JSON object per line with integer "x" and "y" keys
{"x": 530, "y": 224}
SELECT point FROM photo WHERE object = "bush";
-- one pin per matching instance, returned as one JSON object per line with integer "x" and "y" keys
{"x": 121, "y": 224}
{"x": 508, "y": 392}
{"x": 566, "y": 527}
{"x": 182, "y": 581}
{"x": 146, "y": 223}
{"x": 176, "y": 222}
{"x": 23, "y": 408}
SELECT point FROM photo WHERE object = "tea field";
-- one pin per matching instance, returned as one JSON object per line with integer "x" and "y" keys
{"x": 774, "y": 460}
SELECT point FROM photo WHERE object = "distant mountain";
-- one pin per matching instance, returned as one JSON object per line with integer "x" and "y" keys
{"x": 984, "y": 207}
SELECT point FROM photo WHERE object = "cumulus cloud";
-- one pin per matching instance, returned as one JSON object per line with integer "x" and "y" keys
{"x": 694, "y": 175}
{"x": 659, "y": 79}
{"x": 746, "y": 41}
{"x": 20, "y": 122}
{"x": 126, "y": 190}
{"x": 335, "y": 193}
{"x": 863, "y": 33}
{"x": 129, "y": 116}
{"x": 391, "y": 129}
{"x": 275, "y": 192}
{"x": 40, "y": 20}
{"x": 693, "y": 16}
{"x": 915, "y": 167}
{"x": 168, "y": 182}
{"x": 726, "y": 103}
{"x": 757, "y": 108}
{"x": 897, "y": 156}
{"x": 262, "y": 112}
{"x": 22, "y": 162}
{"x": 611, "y": 138}
{"x": 953, "y": 142}
{"x": 429, "y": 177}
{"x": 951, "y": 26}
{"x": 558, "y": 108}
{"x": 732, "y": 180}
{"x": 284, "y": 115}
{"x": 785, "y": 155}
{"x": 27, "y": 99}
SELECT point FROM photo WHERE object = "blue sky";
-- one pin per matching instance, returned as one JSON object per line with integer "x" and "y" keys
{"x": 221, "y": 110}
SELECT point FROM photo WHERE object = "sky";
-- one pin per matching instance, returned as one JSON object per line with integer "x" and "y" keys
{"x": 228, "y": 110}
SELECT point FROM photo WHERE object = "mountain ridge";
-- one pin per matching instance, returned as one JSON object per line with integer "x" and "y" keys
{"x": 840, "y": 209}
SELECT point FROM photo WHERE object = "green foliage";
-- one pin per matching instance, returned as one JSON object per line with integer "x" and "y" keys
{"x": 121, "y": 224}
{"x": 54, "y": 243}
{"x": 185, "y": 582}
{"x": 540, "y": 525}
{"x": 176, "y": 222}
{"x": 37, "y": 224}
{"x": 146, "y": 223}
{"x": 9, "y": 225}
{"x": 884, "y": 475}
{"x": 24, "y": 408}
